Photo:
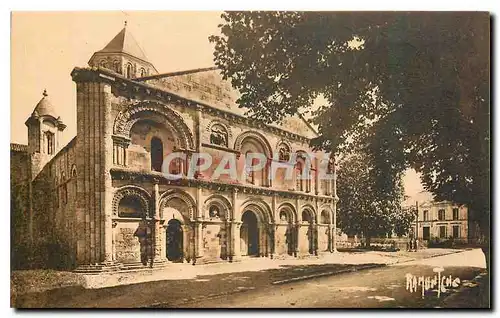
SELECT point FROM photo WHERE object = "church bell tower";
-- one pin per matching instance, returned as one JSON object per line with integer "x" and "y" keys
{"x": 124, "y": 56}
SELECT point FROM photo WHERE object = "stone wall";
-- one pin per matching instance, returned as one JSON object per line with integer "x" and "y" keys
{"x": 19, "y": 206}
{"x": 54, "y": 209}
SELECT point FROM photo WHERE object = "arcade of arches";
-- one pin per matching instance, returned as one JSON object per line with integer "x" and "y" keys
{"x": 176, "y": 233}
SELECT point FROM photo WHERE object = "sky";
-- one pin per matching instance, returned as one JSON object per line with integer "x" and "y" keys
{"x": 46, "y": 46}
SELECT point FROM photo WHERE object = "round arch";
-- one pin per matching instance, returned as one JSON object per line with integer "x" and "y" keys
{"x": 256, "y": 231}
{"x": 132, "y": 191}
{"x": 326, "y": 212}
{"x": 167, "y": 196}
{"x": 153, "y": 110}
{"x": 309, "y": 211}
{"x": 260, "y": 208}
{"x": 290, "y": 211}
{"x": 226, "y": 128}
{"x": 222, "y": 203}
{"x": 257, "y": 137}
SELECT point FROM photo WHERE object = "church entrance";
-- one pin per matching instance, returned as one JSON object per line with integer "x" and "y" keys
{"x": 249, "y": 234}
{"x": 174, "y": 241}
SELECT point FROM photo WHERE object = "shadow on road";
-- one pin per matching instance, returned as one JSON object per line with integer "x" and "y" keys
{"x": 170, "y": 292}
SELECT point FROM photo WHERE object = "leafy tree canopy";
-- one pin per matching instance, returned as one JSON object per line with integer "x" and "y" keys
{"x": 365, "y": 208}
{"x": 414, "y": 87}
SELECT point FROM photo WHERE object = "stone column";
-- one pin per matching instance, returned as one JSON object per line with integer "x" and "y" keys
{"x": 296, "y": 228}
{"x": 156, "y": 223}
{"x": 198, "y": 239}
{"x": 227, "y": 240}
{"x": 235, "y": 254}
{"x": 296, "y": 234}
{"x": 198, "y": 227}
{"x": 272, "y": 232}
{"x": 272, "y": 239}
{"x": 185, "y": 242}
{"x": 113, "y": 255}
{"x": 314, "y": 237}
{"x": 235, "y": 241}
{"x": 106, "y": 211}
{"x": 330, "y": 237}
{"x": 186, "y": 163}
{"x": 268, "y": 172}
{"x": 262, "y": 241}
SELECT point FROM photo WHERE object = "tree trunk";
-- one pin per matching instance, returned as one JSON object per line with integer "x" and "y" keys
{"x": 484, "y": 227}
{"x": 367, "y": 241}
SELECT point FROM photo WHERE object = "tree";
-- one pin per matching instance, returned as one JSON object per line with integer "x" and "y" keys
{"x": 415, "y": 84}
{"x": 402, "y": 220}
{"x": 364, "y": 208}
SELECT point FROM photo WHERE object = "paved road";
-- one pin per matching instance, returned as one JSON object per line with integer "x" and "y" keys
{"x": 373, "y": 288}
{"x": 380, "y": 287}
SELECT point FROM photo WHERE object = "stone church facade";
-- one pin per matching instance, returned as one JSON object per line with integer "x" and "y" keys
{"x": 101, "y": 202}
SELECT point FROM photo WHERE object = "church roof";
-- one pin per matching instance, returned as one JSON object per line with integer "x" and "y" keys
{"x": 207, "y": 85}
{"x": 44, "y": 107}
{"x": 124, "y": 42}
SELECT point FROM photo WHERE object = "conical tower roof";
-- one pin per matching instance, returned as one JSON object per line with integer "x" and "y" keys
{"x": 124, "y": 42}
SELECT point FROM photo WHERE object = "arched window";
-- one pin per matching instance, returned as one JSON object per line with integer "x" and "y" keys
{"x": 328, "y": 183}
{"x": 156, "y": 154}
{"x": 284, "y": 152}
{"x": 128, "y": 71}
{"x": 49, "y": 142}
{"x": 103, "y": 64}
{"x": 143, "y": 72}
{"x": 116, "y": 66}
{"x": 218, "y": 135}
{"x": 130, "y": 206}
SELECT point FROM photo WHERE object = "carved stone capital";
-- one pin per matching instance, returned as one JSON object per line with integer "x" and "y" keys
{"x": 123, "y": 141}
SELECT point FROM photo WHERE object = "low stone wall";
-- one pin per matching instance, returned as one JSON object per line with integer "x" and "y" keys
{"x": 400, "y": 243}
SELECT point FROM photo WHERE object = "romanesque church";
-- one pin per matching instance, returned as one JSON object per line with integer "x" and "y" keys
{"x": 102, "y": 203}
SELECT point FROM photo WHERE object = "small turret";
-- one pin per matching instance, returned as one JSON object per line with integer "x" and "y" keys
{"x": 45, "y": 128}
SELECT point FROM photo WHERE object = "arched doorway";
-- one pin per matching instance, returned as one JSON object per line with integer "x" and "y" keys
{"x": 249, "y": 234}
{"x": 174, "y": 241}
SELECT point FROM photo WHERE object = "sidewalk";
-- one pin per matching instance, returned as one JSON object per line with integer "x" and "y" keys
{"x": 40, "y": 280}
